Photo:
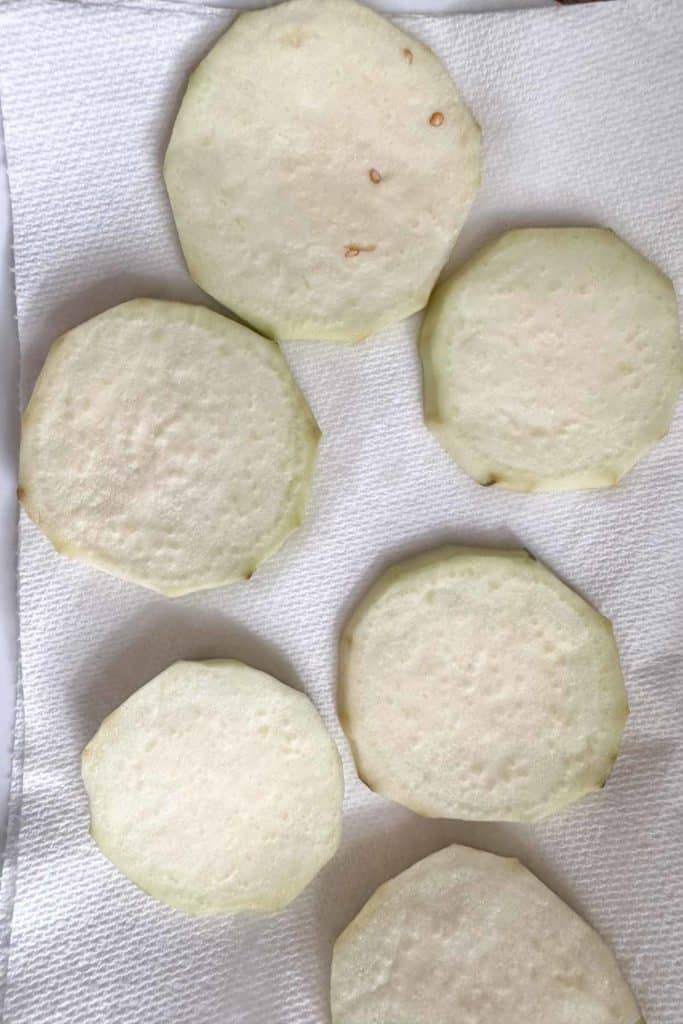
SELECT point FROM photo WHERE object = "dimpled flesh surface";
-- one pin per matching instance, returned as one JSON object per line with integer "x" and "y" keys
{"x": 320, "y": 167}
{"x": 476, "y": 685}
{"x": 552, "y": 360}
{"x": 167, "y": 445}
{"x": 215, "y": 788}
{"x": 464, "y": 937}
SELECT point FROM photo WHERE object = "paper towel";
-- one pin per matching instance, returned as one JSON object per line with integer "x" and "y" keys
{"x": 583, "y": 123}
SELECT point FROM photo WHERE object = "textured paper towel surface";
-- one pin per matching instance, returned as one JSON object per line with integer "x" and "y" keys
{"x": 583, "y": 123}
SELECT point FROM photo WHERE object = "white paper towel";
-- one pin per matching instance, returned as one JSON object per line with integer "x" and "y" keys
{"x": 583, "y": 123}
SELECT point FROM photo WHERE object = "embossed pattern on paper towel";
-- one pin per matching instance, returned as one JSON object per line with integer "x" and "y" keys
{"x": 582, "y": 122}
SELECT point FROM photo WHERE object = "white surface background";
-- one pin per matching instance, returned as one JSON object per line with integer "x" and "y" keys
{"x": 582, "y": 122}
{"x": 9, "y": 414}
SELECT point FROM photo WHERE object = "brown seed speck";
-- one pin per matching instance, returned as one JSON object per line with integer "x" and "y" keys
{"x": 21, "y": 493}
{"x": 354, "y": 250}
{"x": 375, "y": 176}
{"x": 408, "y": 56}
{"x": 437, "y": 119}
